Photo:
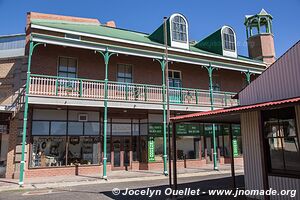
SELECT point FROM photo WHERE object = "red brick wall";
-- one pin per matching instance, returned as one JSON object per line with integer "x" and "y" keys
{"x": 10, "y": 168}
{"x": 196, "y": 163}
{"x": 145, "y": 70}
{"x": 65, "y": 171}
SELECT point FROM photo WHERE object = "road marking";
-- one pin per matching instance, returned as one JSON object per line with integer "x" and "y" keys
{"x": 41, "y": 192}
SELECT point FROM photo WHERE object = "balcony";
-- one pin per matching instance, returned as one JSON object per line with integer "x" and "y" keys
{"x": 91, "y": 90}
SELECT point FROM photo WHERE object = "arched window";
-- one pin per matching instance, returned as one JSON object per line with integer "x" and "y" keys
{"x": 228, "y": 39}
{"x": 179, "y": 32}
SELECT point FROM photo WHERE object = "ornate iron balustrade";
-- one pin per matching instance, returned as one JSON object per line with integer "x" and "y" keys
{"x": 42, "y": 85}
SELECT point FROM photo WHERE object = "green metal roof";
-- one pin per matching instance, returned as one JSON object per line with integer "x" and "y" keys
{"x": 116, "y": 33}
{"x": 158, "y": 35}
{"x": 212, "y": 43}
{"x": 262, "y": 13}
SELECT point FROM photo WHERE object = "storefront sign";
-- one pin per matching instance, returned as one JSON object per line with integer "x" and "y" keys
{"x": 151, "y": 149}
{"x": 236, "y": 130}
{"x": 235, "y": 148}
{"x": 208, "y": 130}
{"x": 155, "y": 129}
{"x": 193, "y": 129}
{"x": 181, "y": 129}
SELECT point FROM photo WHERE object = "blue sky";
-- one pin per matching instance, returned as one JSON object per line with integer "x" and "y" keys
{"x": 204, "y": 16}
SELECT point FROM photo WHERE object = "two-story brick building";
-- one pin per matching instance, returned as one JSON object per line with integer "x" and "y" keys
{"x": 95, "y": 95}
{"x": 11, "y": 83}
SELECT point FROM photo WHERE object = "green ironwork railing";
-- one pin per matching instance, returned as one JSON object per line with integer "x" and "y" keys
{"x": 94, "y": 89}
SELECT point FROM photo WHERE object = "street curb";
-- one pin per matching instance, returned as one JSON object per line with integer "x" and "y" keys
{"x": 113, "y": 180}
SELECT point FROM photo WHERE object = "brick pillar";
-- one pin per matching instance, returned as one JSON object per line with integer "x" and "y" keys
{"x": 13, "y": 130}
{"x": 15, "y": 146}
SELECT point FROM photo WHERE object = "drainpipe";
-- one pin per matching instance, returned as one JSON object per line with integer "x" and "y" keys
{"x": 106, "y": 55}
{"x": 24, "y": 132}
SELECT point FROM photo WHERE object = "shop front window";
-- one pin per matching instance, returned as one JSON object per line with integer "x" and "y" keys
{"x": 58, "y": 140}
{"x": 282, "y": 141}
{"x": 188, "y": 147}
{"x": 83, "y": 150}
{"x": 158, "y": 141}
{"x": 48, "y": 151}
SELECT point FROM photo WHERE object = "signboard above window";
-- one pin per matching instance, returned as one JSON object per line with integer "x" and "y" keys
{"x": 72, "y": 36}
{"x": 82, "y": 117}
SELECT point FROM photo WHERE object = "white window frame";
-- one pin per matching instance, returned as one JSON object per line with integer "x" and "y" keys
{"x": 132, "y": 72}
{"x": 228, "y": 52}
{"x": 172, "y": 71}
{"x": 67, "y": 57}
{"x": 177, "y": 29}
{"x": 175, "y": 43}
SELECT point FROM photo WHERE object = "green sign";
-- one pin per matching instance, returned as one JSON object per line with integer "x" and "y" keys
{"x": 181, "y": 129}
{"x": 235, "y": 148}
{"x": 236, "y": 129}
{"x": 226, "y": 130}
{"x": 151, "y": 149}
{"x": 208, "y": 130}
{"x": 193, "y": 129}
{"x": 155, "y": 129}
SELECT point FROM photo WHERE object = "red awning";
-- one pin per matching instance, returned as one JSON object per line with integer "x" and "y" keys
{"x": 233, "y": 110}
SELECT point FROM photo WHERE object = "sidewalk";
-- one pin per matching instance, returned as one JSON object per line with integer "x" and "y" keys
{"x": 113, "y": 177}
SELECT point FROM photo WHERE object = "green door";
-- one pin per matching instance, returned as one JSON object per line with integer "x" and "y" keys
{"x": 175, "y": 84}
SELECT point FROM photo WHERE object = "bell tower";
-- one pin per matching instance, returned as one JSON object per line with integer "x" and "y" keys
{"x": 260, "y": 37}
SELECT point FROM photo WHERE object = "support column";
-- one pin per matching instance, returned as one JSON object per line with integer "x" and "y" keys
{"x": 258, "y": 25}
{"x": 248, "y": 76}
{"x": 106, "y": 55}
{"x": 165, "y": 157}
{"x": 210, "y": 70}
{"x": 174, "y": 157}
{"x": 163, "y": 65}
{"x": 232, "y": 157}
{"x": 24, "y": 132}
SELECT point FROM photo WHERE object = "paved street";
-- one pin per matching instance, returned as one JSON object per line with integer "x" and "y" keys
{"x": 104, "y": 190}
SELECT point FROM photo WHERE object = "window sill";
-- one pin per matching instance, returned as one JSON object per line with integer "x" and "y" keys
{"x": 284, "y": 174}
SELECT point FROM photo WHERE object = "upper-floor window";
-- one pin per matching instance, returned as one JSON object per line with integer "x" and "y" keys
{"x": 228, "y": 39}
{"x": 174, "y": 78}
{"x": 179, "y": 27}
{"x": 67, "y": 67}
{"x": 281, "y": 139}
{"x": 124, "y": 73}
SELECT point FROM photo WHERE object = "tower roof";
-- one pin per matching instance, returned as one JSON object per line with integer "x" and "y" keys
{"x": 263, "y": 12}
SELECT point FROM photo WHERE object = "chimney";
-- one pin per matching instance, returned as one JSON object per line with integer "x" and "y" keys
{"x": 111, "y": 24}
{"x": 260, "y": 38}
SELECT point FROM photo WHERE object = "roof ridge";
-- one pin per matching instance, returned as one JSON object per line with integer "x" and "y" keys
{"x": 87, "y": 23}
